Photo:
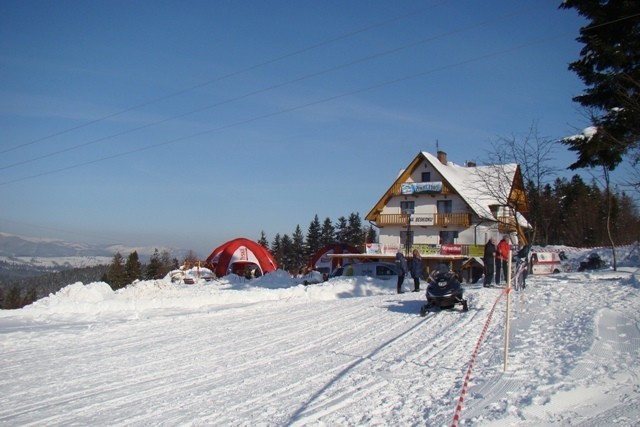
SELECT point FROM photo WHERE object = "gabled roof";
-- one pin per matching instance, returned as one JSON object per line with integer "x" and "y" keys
{"x": 481, "y": 187}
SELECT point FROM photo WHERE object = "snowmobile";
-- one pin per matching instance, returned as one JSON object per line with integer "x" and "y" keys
{"x": 443, "y": 291}
{"x": 593, "y": 262}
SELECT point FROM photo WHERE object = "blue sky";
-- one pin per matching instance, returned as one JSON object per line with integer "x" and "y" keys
{"x": 186, "y": 124}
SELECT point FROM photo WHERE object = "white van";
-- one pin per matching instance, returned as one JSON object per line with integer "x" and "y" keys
{"x": 545, "y": 263}
{"x": 378, "y": 270}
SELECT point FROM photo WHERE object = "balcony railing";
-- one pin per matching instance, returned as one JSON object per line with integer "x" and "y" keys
{"x": 439, "y": 219}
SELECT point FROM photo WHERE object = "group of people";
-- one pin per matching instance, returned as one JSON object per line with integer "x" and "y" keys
{"x": 496, "y": 259}
{"x": 415, "y": 269}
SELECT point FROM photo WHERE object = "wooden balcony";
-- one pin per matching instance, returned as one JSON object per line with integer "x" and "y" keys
{"x": 439, "y": 220}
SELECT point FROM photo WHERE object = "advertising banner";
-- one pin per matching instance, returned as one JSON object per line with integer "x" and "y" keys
{"x": 451, "y": 249}
{"x": 422, "y": 219}
{"x": 421, "y": 187}
{"x": 373, "y": 248}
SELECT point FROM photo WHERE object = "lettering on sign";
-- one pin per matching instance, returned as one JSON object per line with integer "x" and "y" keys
{"x": 451, "y": 249}
{"x": 422, "y": 219}
{"x": 421, "y": 187}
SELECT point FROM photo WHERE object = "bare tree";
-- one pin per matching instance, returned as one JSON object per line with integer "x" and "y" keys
{"x": 531, "y": 151}
{"x": 504, "y": 193}
{"x": 534, "y": 154}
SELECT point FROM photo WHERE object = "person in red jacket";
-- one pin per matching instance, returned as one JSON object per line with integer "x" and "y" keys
{"x": 502, "y": 257}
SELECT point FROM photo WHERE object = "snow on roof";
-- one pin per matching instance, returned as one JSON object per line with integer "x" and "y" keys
{"x": 479, "y": 186}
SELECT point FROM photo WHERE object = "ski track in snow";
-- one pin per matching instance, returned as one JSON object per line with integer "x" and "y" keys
{"x": 369, "y": 360}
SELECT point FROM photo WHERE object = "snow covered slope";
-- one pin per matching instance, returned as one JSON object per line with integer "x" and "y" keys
{"x": 349, "y": 352}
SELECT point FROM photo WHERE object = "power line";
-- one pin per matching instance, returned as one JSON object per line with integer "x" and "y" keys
{"x": 287, "y": 110}
{"x": 227, "y": 76}
{"x": 269, "y": 88}
{"x": 291, "y": 109}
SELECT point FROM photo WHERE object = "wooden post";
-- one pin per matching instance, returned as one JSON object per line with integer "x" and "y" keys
{"x": 508, "y": 316}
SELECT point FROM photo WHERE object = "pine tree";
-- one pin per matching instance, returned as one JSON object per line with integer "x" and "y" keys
{"x": 276, "y": 250}
{"x": 116, "y": 276}
{"x": 609, "y": 65}
{"x": 167, "y": 263}
{"x": 327, "y": 234}
{"x": 12, "y": 300}
{"x": 154, "y": 268}
{"x": 297, "y": 250}
{"x": 30, "y": 297}
{"x": 286, "y": 245}
{"x": 263, "y": 240}
{"x": 313, "y": 243}
{"x": 341, "y": 232}
{"x": 133, "y": 268}
{"x": 354, "y": 233}
{"x": 370, "y": 235}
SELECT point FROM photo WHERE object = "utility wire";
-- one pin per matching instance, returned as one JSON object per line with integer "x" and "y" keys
{"x": 287, "y": 110}
{"x": 291, "y": 109}
{"x": 269, "y": 88}
{"x": 229, "y": 75}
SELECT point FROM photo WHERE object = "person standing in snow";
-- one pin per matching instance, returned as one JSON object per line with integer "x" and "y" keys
{"x": 489, "y": 259}
{"x": 523, "y": 262}
{"x": 417, "y": 268}
{"x": 502, "y": 257}
{"x": 401, "y": 264}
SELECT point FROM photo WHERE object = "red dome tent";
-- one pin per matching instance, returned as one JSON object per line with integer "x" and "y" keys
{"x": 239, "y": 256}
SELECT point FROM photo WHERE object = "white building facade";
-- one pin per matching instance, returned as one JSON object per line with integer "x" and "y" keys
{"x": 447, "y": 210}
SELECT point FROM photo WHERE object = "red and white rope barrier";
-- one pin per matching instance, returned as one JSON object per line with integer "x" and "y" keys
{"x": 465, "y": 385}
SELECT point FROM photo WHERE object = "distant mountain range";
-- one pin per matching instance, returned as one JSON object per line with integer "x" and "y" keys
{"x": 47, "y": 265}
{"x": 12, "y": 246}
{"x": 26, "y": 256}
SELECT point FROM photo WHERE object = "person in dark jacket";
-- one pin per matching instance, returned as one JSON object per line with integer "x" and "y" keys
{"x": 489, "y": 261}
{"x": 522, "y": 264}
{"x": 417, "y": 268}
{"x": 403, "y": 268}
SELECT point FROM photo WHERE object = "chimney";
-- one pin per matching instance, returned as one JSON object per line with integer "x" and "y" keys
{"x": 471, "y": 164}
{"x": 442, "y": 156}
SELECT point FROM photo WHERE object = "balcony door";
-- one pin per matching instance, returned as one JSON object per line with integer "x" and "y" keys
{"x": 445, "y": 206}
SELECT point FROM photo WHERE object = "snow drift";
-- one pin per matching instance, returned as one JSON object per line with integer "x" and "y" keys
{"x": 272, "y": 352}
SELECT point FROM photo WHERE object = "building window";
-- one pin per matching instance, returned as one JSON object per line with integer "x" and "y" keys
{"x": 407, "y": 207}
{"x": 403, "y": 239}
{"x": 448, "y": 237}
{"x": 426, "y": 176}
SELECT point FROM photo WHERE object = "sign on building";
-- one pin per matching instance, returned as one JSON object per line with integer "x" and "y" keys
{"x": 422, "y": 219}
{"x": 421, "y": 187}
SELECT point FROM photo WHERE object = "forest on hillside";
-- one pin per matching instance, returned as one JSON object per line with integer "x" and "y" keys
{"x": 567, "y": 212}
{"x": 571, "y": 212}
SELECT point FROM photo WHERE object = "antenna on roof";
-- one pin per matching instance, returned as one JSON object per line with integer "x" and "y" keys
{"x": 437, "y": 146}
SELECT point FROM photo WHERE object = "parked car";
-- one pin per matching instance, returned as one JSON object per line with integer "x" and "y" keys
{"x": 378, "y": 270}
{"x": 313, "y": 277}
